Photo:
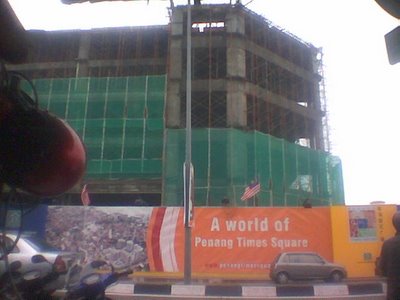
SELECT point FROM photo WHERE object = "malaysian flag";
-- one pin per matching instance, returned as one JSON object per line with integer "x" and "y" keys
{"x": 251, "y": 190}
{"x": 85, "y": 196}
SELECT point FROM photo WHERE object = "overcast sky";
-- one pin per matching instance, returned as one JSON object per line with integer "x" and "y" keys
{"x": 362, "y": 88}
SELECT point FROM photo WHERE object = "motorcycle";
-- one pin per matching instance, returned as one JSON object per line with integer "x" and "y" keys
{"x": 33, "y": 284}
{"x": 91, "y": 282}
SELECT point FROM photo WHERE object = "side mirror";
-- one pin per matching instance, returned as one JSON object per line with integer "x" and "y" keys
{"x": 38, "y": 259}
{"x": 392, "y": 7}
{"x": 392, "y": 40}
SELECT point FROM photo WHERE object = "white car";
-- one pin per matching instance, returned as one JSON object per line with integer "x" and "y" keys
{"x": 25, "y": 252}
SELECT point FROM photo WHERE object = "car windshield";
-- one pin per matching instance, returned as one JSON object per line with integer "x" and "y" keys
{"x": 39, "y": 244}
{"x": 276, "y": 259}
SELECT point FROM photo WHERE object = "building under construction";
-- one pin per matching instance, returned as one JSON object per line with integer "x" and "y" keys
{"x": 258, "y": 109}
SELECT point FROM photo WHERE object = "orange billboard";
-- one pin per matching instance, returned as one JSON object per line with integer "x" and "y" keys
{"x": 225, "y": 241}
{"x": 229, "y": 239}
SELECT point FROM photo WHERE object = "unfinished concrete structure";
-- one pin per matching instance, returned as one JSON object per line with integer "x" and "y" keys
{"x": 248, "y": 75}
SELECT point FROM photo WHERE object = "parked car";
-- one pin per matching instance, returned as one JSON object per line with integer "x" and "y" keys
{"x": 304, "y": 266}
{"x": 27, "y": 248}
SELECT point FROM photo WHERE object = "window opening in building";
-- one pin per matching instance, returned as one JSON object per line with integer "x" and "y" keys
{"x": 207, "y": 26}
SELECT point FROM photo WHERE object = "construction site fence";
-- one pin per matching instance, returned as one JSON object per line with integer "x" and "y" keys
{"x": 225, "y": 241}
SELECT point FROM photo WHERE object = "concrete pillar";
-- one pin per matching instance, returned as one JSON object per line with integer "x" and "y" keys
{"x": 236, "y": 70}
{"x": 235, "y": 61}
{"x": 82, "y": 65}
{"x": 173, "y": 104}
{"x": 236, "y": 104}
{"x": 234, "y": 22}
{"x": 316, "y": 104}
{"x": 173, "y": 101}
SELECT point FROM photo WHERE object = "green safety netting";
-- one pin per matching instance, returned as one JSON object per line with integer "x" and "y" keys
{"x": 121, "y": 121}
{"x": 227, "y": 160}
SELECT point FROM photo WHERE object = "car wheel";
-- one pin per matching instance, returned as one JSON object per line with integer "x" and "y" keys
{"x": 282, "y": 278}
{"x": 336, "y": 276}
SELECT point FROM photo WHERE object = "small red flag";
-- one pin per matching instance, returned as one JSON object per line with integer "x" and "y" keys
{"x": 85, "y": 196}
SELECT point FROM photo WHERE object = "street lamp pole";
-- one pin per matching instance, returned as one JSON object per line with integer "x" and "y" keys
{"x": 188, "y": 160}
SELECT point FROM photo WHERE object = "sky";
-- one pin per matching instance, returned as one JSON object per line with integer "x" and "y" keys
{"x": 362, "y": 88}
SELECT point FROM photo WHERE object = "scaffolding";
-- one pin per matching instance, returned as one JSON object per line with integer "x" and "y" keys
{"x": 259, "y": 110}
{"x": 228, "y": 160}
{"x": 247, "y": 74}
{"x": 121, "y": 122}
